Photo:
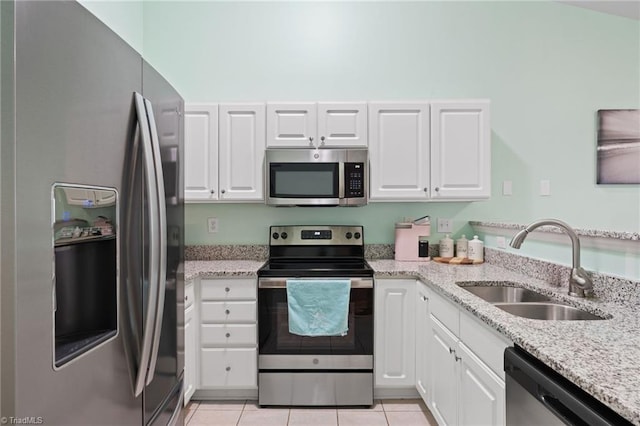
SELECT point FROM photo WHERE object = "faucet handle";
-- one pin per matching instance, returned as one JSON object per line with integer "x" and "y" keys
{"x": 580, "y": 283}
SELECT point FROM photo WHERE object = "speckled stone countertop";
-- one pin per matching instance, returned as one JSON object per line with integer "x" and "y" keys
{"x": 601, "y": 357}
{"x": 221, "y": 268}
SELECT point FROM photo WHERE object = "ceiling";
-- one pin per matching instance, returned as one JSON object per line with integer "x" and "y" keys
{"x": 625, "y": 8}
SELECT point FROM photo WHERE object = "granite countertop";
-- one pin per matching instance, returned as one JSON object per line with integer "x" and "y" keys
{"x": 601, "y": 357}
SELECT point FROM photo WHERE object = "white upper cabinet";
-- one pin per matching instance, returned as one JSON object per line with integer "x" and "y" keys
{"x": 460, "y": 149}
{"x": 399, "y": 151}
{"x": 241, "y": 149}
{"x": 201, "y": 152}
{"x": 224, "y": 151}
{"x": 316, "y": 125}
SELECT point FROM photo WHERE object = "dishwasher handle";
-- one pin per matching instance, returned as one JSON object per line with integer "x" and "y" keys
{"x": 567, "y": 401}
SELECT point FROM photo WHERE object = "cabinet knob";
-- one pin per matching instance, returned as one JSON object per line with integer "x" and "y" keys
{"x": 213, "y": 191}
{"x": 227, "y": 289}
{"x": 228, "y": 368}
{"x": 223, "y": 191}
{"x": 310, "y": 141}
{"x": 452, "y": 351}
{"x": 426, "y": 189}
{"x": 457, "y": 358}
{"x": 424, "y": 298}
{"x": 228, "y": 335}
{"x": 322, "y": 141}
{"x": 437, "y": 189}
{"x": 227, "y": 312}
{"x": 186, "y": 298}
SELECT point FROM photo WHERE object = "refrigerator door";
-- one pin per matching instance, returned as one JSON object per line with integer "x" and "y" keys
{"x": 162, "y": 397}
{"x": 74, "y": 121}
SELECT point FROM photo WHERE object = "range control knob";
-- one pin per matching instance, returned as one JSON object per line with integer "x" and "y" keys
{"x": 275, "y": 235}
{"x": 349, "y": 235}
{"x": 357, "y": 235}
{"x": 284, "y": 235}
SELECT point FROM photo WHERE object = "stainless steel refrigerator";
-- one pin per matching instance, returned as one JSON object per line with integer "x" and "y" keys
{"x": 91, "y": 224}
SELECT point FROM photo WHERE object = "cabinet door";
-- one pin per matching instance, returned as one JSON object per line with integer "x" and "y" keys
{"x": 460, "y": 149}
{"x": 201, "y": 152}
{"x": 290, "y": 125}
{"x": 395, "y": 333}
{"x": 342, "y": 124}
{"x": 443, "y": 374}
{"x": 241, "y": 151}
{"x": 422, "y": 341}
{"x": 190, "y": 373}
{"x": 399, "y": 151}
{"x": 482, "y": 392}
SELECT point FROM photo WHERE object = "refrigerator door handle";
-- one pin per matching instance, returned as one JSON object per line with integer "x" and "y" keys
{"x": 162, "y": 240}
{"x": 154, "y": 243}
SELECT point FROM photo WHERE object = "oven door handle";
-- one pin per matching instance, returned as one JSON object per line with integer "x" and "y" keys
{"x": 282, "y": 282}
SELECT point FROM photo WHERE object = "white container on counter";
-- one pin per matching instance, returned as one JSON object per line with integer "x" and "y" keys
{"x": 462, "y": 247}
{"x": 476, "y": 249}
{"x": 446, "y": 247}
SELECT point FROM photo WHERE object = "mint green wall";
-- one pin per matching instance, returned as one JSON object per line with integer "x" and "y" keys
{"x": 547, "y": 67}
{"x": 123, "y": 17}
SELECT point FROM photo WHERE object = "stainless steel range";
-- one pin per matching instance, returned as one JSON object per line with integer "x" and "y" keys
{"x": 300, "y": 369}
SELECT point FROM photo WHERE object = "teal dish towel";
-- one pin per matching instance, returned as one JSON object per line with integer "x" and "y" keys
{"x": 318, "y": 307}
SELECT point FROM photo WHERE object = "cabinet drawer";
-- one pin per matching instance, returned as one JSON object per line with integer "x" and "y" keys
{"x": 239, "y": 289}
{"x": 189, "y": 294}
{"x": 228, "y": 334}
{"x": 228, "y": 368}
{"x": 446, "y": 312}
{"x": 228, "y": 312}
{"x": 487, "y": 344}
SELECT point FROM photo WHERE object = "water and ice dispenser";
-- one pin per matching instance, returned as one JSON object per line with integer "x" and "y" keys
{"x": 85, "y": 240}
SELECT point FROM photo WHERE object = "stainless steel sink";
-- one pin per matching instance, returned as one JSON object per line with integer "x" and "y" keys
{"x": 504, "y": 294}
{"x": 547, "y": 311}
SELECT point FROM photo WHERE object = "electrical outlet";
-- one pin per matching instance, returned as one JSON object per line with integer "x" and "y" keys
{"x": 445, "y": 225}
{"x": 507, "y": 188}
{"x": 212, "y": 225}
{"x": 545, "y": 188}
{"x": 501, "y": 242}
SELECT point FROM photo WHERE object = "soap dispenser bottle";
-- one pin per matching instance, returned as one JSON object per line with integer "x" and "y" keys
{"x": 446, "y": 247}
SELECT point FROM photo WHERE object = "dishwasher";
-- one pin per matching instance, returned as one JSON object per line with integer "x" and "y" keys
{"x": 537, "y": 395}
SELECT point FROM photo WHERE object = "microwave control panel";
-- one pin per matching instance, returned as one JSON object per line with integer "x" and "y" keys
{"x": 354, "y": 180}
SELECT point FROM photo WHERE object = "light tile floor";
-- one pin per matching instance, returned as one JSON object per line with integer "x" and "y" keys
{"x": 388, "y": 412}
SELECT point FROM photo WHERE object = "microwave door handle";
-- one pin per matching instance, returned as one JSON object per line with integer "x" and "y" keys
{"x": 150, "y": 319}
{"x": 161, "y": 282}
{"x": 340, "y": 180}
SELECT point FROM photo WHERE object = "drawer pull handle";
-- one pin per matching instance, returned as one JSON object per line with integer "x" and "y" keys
{"x": 227, "y": 289}
{"x": 228, "y": 335}
{"x": 227, "y": 312}
{"x": 228, "y": 368}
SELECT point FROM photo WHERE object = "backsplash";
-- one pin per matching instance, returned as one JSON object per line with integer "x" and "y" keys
{"x": 606, "y": 287}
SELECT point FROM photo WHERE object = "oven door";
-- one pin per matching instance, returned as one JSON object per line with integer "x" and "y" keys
{"x": 277, "y": 345}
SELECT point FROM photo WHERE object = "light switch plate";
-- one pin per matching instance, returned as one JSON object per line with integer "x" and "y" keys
{"x": 445, "y": 225}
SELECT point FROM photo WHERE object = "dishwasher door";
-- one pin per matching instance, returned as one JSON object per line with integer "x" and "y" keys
{"x": 537, "y": 395}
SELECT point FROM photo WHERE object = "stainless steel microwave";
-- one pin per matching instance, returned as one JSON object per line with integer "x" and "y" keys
{"x": 317, "y": 177}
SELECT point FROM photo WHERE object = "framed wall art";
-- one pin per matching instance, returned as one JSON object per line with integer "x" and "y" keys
{"x": 618, "y": 146}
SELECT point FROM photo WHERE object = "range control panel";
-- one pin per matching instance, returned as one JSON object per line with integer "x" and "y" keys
{"x": 354, "y": 180}
{"x": 316, "y": 235}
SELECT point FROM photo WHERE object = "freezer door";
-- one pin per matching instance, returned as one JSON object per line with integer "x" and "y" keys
{"x": 166, "y": 365}
{"x": 74, "y": 120}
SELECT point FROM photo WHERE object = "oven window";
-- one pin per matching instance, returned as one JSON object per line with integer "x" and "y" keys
{"x": 274, "y": 333}
{"x": 303, "y": 180}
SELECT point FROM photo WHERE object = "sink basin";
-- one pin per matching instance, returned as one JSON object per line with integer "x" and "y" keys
{"x": 547, "y": 311}
{"x": 505, "y": 294}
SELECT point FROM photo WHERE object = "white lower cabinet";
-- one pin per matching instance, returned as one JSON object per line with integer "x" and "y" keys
{"x": 190, "y": 374}
{"x": 465, "y": 378}
{"x": 227, "y": 343}
{"x": 394, "y": 350}
{"x": 422, "y": 341}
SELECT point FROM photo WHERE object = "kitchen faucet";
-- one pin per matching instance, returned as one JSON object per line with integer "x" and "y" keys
{"x": 580, "y": 284}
